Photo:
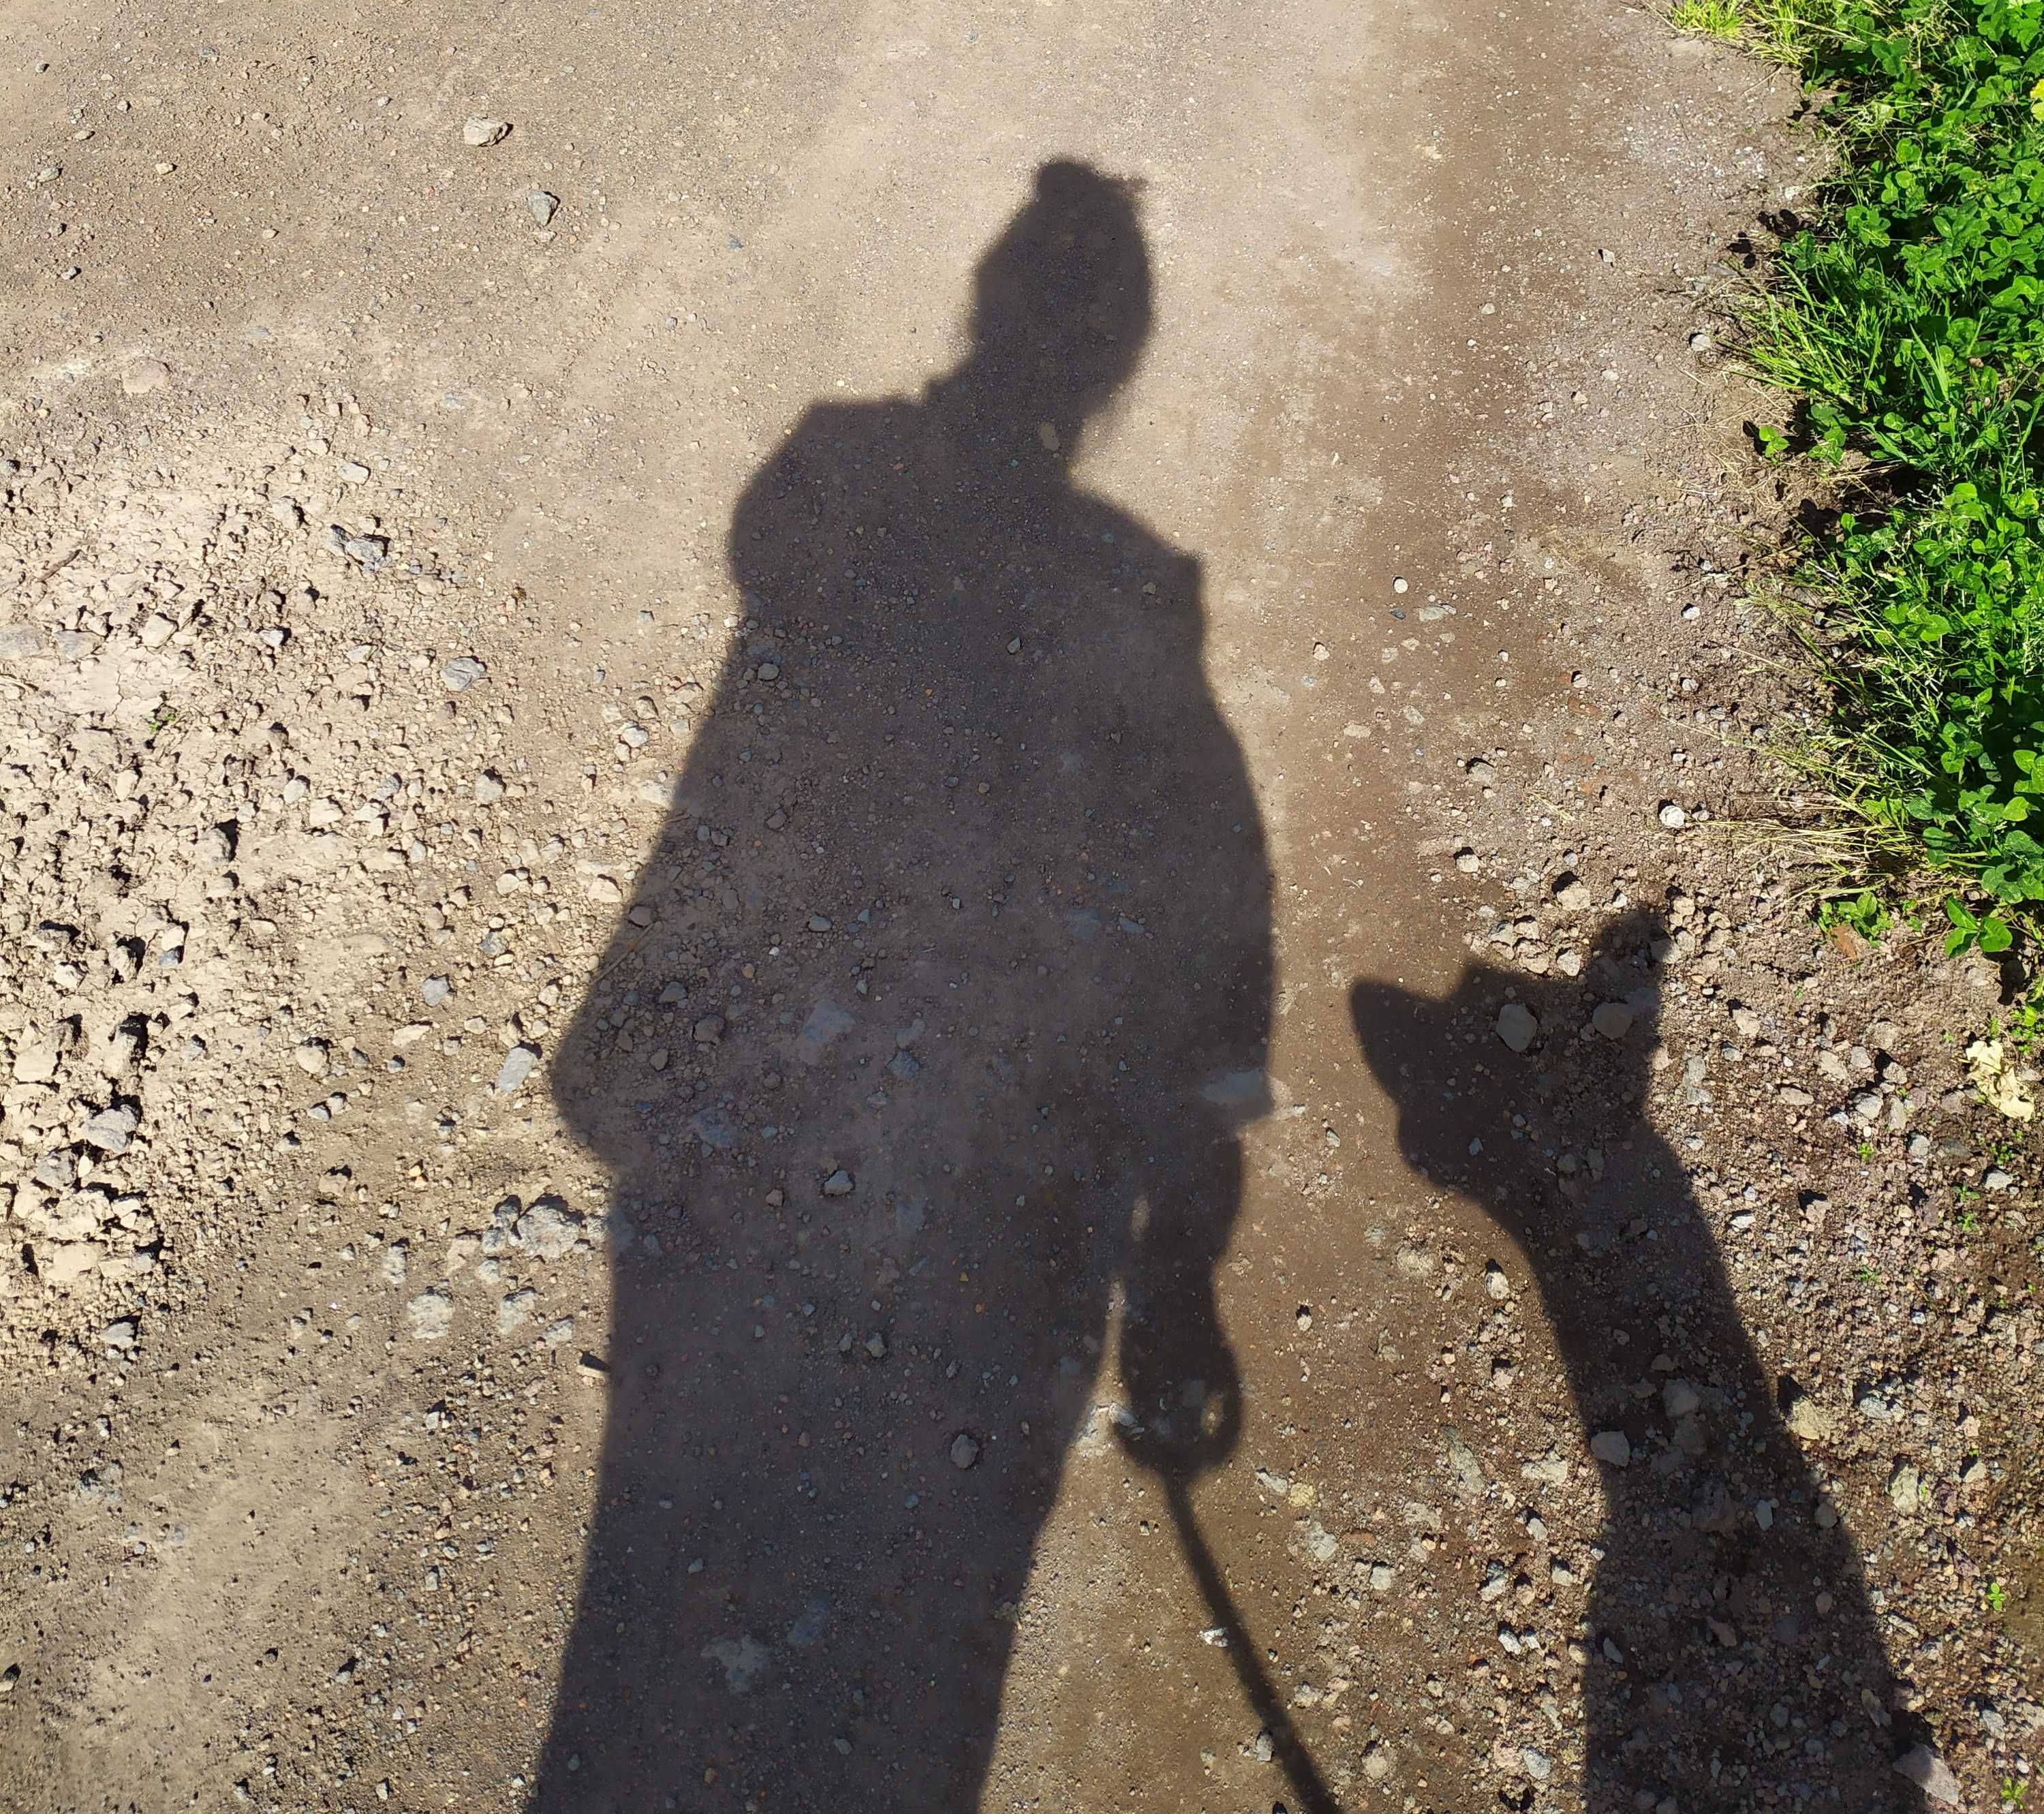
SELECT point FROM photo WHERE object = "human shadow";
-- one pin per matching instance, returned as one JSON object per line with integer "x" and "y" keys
{"x": 1734, "y": 1660}
{"x": 921, "y": 1047}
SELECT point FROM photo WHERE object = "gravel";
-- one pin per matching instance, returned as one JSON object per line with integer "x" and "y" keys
{"x": 197, "y": 650}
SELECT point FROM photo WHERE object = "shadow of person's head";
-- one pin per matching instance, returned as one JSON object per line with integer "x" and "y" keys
{"x": 1061, "y": 307}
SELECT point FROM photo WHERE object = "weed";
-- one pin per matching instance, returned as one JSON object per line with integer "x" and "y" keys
{"x": 1782, "y": 30}
{"x": 2013, "y": 1789}
{"x": 1864, "y": 912}
{"x": 1989, "y": 930}
{"x": 1997, "y": 1597}
{"x": 1907, "y": 319}
{"x": 2023, "y": 1027}
{"x": 1720, "y": 19}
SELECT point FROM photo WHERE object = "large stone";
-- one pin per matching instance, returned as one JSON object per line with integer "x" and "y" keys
{"x": 548, "y": 1230}
{"x": 37, "y": 1057}
{"x": 1613, "y": 1447}
{"x": 1905, "y": 1489}
{"x": 111, "y": 1129}
{"x": 1612, "y": 1019}
{"x": 63, "y": 1263}
{"x": 827, "y": 1023}
{"x": 1808, "y": 1421}
{"x": 1922, "y": 1766}
{"x": 518, "y": 1065}
{"x": 431, "y": 1313}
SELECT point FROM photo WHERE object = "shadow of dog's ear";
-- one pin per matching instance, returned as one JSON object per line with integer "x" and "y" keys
{"x": 1416, "y": 1049}
{"x": 1396, "y": 1031}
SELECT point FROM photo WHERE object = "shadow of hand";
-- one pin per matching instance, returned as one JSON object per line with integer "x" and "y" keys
{"x": 1185, "y": 1389}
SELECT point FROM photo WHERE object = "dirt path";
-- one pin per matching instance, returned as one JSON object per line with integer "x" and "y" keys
{"x": 748, "y": 832}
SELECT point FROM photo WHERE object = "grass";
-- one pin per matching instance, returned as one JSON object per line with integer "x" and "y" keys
{"x": 1720, "y": 19}
{"x": 1905, "y": 320}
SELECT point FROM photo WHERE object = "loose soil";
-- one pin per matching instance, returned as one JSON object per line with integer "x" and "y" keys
{"x": 901, "y": 922}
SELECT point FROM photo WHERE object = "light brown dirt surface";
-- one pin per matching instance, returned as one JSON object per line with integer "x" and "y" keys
{"x": 864, "y": 940}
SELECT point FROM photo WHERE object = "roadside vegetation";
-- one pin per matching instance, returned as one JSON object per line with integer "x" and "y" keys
{"x": 1905, "y": 317}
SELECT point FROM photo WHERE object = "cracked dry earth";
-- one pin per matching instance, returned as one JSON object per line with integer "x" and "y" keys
{"x": 881, "y": 929}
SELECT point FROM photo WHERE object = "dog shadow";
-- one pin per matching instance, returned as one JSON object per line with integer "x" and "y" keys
{"x": 1732, "y": 1659}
